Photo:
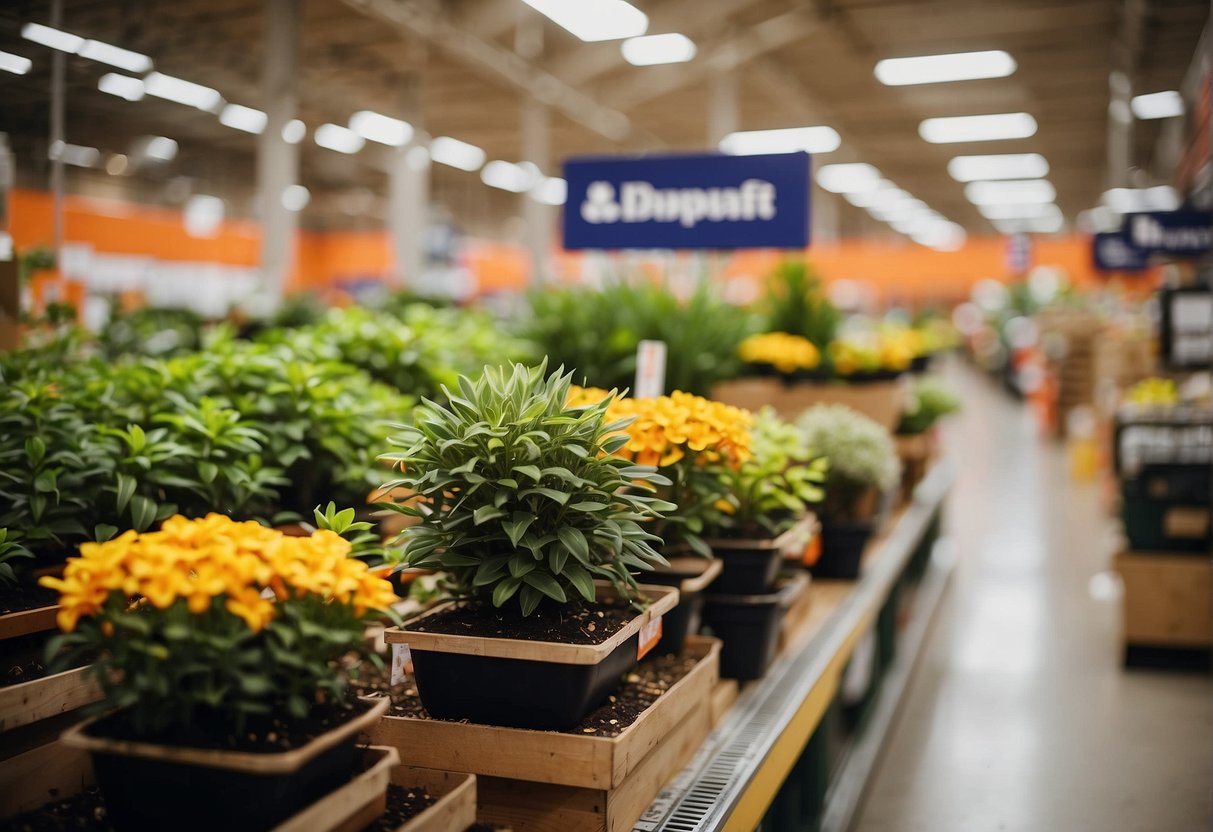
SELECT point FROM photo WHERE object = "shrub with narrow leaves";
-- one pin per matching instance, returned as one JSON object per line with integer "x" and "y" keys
{"x": 861, "y": 453}
{"x": 522, "y": 495}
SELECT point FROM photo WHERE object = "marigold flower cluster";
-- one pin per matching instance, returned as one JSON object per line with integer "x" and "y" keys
{"x": 785, "y": 352}
{"x": 1154, "y": 391}
{"x": 885, "y": 352}
{"x": 667, "y": 429}
{"x": 213, "y": 558}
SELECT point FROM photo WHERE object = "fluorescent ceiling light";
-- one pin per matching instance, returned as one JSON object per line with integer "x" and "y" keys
{"x": 161, "y": 148}
{"x": 551, "y": 191}
{"x": 935, "y": 69}
{"x": 943, "y": 236}
{"x": 1010, "y": 191}
{"x": 54, "y": 38}
{"x": 16, "y": 64}
{"x": 920, "y": 224}
{"x": 1017, "y": 211}
{"x": 203, "y": 216}
{"x": 74, "y": 154}
{"x": 95, "y": 50}
{"x": 417, "y": 157}
{"x": 594, "y": 20}
{"x": 1048, "y": 224}
{"x": 902, "y": 211}
{"x": 457, "y": 154}
{"x": 866, "y": 199}
{"x": 294, "y": 131}
{"x": 1131, "y": 200}
{"x": 122, "y": 86}
{"x": 671, "y": 48}
{"x": 295, "y": 197}
{"x": 849, "y": 178}
{"x": 978, "y": 128}
{"x": 507, "y": 176}
{"x": 338, "y": 138}
{"x": 380, "y": 128}
{"x": 998, "y": 166}
{"x": 1168, "y": 104}
{"x": 182, "y": 91}
{"x": 239, "y": 117}
{"x": 818, "y": 139}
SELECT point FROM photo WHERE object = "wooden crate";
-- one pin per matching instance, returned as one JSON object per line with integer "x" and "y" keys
{"x": 455, "y": 807}
{"x": 1168, "y": 599}
{"x": 881, "y": 401}
{"x": 40, "y": 699}
{"x": 551, "y": 757}
{"x": 42, "y": 774}
{"x": 723, "y": 696}
{"x": 351, "y": 807}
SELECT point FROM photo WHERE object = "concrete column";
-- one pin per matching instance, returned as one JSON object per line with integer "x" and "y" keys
{"x": 58, "y": 94}
{"x": 724, "y": 107}
{"x": 539, "y": 218}
{"x": 1120, "y": 129}
{"x": 409, "y": 190}
{"x": 824, "y": 217}
{"x": 277, "y": 159}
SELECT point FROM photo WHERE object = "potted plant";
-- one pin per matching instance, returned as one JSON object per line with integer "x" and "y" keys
{"x": 694, "y": 443}
{"x": 222, "y": 708}
{"x": 525, "y": 504}
{"x": 863, "y": 465}
{"x": 930, "y": 400}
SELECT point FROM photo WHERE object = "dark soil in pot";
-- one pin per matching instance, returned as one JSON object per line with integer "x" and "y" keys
{"x": 402, "y": 806}
{"x": 842, "y": 548}
{"x": 570, "y": 624}
{"x": 749, "y": 569}
{"x": 640, "y": 688}
{"x": 83, "y": 812}
{"x": 141, "y": 793}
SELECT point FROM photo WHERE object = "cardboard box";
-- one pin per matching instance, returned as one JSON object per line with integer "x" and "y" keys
{"x": 1168, "y": 599}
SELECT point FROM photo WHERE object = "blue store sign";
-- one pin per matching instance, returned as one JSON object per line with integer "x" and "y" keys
{"x": 1113, "y": 254}
{"x": 705, "y": 201}
{"x": 1179, "y": 233}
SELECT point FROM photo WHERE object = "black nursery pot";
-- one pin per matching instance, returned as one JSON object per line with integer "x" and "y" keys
{"x": 155, "y": 787}
{"x": 919, "y": 364}
{"x": 692, "y": 575}
{"x": 515, "y": 683}
{"x": 749, "y": 627}
{"x": 842, "y": 547}
{"x": 749, "y": 566}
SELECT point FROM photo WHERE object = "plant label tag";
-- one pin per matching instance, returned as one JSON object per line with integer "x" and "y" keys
{"x": 650, "y": 370}
{"x": 650, "y": 634}
{"x": 812, "y": 551}
{"x": 402, "y": 663}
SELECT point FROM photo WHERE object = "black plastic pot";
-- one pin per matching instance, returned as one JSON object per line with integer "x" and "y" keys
{"x": 179, "y": 789}
{"x": 842, "y": 547}
{"x": 692, "y": 575}
{"x": 750, "y": 566}
{"x": 517, "y": 693}
{"x": 919, "y": 364}
{"x": 749, "y": 627}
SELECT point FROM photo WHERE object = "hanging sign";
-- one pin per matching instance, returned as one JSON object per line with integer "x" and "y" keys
{"x": 1178, "y": 233}
{"x": 704, "y": 201}
{"x": 1112, "y": 254}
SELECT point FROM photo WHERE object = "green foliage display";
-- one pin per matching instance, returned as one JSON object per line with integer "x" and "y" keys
{"x": 776, "y": 486}
{"x": 796, "y": 304}
{"x": 595, "y": 333}
{"x": 10, "y": 550}
{"x": 153, "y": 332}
{"x": 861, "y": 453}
{"x": 522, "y": 496}
{"x": 930, "y": 400}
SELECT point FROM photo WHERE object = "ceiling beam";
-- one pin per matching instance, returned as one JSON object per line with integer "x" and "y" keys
{"x": 505, "y": 66}
{"x": 726, "y": 54}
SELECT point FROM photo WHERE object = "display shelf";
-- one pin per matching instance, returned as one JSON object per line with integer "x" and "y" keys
{"x": 735, "y": 776}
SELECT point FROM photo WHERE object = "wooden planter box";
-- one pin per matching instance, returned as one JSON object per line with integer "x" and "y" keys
{"x": 915, "y": 452}
{"x": 752, "y": 393}
{"x": 1167, "y": 599}
{"x": 40, "y": 699}
{"x": 455, "y": 808}
{"x": 27, "y": 622}
{"x": 555, "y": 781}
{"x": 353, "y": 806}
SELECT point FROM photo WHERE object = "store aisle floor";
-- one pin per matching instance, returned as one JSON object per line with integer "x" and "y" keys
{"x": 1020, "y": 717}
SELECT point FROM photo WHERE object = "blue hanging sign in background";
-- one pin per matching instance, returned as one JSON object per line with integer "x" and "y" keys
{"x": 704, "y": 201}
{"x": 1178, "y": 233}
{"x": 1112, "y": 254}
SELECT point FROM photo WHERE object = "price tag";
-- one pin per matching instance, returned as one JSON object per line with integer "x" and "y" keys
{"x": 812, "y": 552}
{"x": 402, "y": 663}
{"x": 650, "y": 634}
{"x": 650, "y": 370}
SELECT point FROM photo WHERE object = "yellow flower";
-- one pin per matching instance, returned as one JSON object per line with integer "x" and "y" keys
{"x": 667, "y": 429}
{"x": 785, "y": 352}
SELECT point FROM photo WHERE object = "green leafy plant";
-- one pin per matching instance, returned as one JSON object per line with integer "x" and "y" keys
{"x": 861, "y": 453}
{"x": 189, "y": 645}
{"x": 777, "y": 485}
{"x": 595, "y": 333}
{"x": 365, "y": 543}
{"x": 796, "y": 304}
{"x": 152, "y": 331}
{"x": 930, "y": 400}
{"x": 522, "y": 494}
{"x": 10, "y": 550}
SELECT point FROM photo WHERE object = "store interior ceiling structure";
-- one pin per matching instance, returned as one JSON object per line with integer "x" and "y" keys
{"x": 464, "y": 68}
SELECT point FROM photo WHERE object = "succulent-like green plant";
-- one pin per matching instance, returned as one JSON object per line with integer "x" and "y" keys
{"x": 10, "y": 550}
{"x": 522, "y": 495}
{"x": 861, "y": 453}
{"x": 930, "y": 400}
{"x": 776, "y": 486}
{"x": 797, "y": 304}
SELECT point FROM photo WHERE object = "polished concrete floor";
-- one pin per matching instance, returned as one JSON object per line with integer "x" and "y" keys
{"x": 1020, "y": 717}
